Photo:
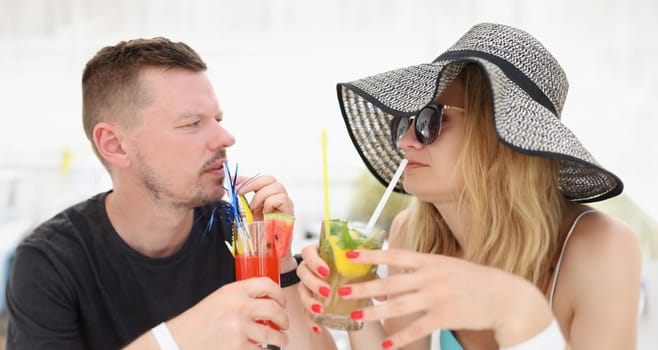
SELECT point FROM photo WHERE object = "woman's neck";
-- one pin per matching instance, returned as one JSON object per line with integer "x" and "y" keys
{"x": 455, "y": 220}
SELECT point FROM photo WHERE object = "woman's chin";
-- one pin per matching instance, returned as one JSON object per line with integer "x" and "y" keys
{"x": 426, "y": 193}
{"x": 413, "y": 188}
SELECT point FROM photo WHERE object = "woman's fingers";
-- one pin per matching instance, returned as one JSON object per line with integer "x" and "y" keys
{"x": 392, "y": 285}
{"x": 403, "y": 259}
{"x": 417, "y": 329}
{"x": 381, "y": 297}
{"x": 308, "y": 299}
{"x": 312, "y": 283}
{"x": 395, "y": 307}
{"x": 312, "y": 272}
{"x": 314, "y": 262}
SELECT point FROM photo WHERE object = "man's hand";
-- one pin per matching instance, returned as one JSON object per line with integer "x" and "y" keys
{"x": 227, "y": 317}
{"x": 270, "y": 196}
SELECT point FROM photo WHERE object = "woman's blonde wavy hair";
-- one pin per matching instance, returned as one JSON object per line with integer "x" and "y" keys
{"x": 512, "y": 200}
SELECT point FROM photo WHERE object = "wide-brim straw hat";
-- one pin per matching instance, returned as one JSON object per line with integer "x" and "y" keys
{"x": 528, "y": 89}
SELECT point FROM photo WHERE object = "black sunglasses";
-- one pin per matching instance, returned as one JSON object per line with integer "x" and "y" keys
{"x": 427, "y": 124}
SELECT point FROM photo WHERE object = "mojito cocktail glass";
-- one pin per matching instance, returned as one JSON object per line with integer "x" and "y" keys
{"x": 343, "y": 237}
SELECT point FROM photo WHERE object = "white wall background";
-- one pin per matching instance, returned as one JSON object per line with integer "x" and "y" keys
{"x": 275, "y": 65}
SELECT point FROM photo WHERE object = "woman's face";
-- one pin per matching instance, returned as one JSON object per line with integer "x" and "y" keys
{"x": 432, "y": 174}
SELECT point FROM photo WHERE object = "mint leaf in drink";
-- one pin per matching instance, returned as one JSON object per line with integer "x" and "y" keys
{"x": 346, "y": 241}
{"x": 339, "y": 229}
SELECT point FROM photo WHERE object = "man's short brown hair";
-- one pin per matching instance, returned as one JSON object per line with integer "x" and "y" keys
{"x": 110, "y": 84}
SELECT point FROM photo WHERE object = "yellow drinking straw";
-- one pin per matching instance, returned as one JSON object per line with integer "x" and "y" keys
{"x": 325, "y": 182}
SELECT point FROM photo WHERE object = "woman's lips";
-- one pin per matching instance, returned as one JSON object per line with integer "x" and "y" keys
{"x": 414, "y": 165}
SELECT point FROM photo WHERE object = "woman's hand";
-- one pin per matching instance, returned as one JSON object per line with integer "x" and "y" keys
{"x": 449, "y": 293}
{"x": 312, "y": 272}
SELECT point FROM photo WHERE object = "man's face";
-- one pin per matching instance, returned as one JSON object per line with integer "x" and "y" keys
{"x": 178, "y": 149}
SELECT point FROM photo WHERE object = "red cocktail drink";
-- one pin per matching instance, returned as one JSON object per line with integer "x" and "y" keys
{"x": 258, "y": 266}
{"x": 256, "y": 257}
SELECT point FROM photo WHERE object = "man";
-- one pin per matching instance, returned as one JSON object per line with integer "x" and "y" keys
{"x": 140, "y": 266}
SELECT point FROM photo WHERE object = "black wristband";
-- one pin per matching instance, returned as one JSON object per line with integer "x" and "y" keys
{"x": 290, "y": 278}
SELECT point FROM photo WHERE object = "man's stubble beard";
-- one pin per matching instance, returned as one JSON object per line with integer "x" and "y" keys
{"x": 160, "y": 192}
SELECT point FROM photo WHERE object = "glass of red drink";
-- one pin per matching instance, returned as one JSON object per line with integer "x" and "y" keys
{"x": 255, "y": 256}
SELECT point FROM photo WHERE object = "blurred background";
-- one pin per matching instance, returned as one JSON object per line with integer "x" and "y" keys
{"x": 275, "y": 64}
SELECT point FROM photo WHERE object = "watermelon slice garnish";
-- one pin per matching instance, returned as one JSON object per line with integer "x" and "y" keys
{"x": 281, "y": 226}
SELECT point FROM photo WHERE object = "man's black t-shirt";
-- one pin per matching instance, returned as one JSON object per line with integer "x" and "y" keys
{"x": 76, "y": 284}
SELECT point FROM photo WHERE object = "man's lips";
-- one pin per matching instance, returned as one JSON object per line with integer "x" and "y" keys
{"x": 216, "y": 167}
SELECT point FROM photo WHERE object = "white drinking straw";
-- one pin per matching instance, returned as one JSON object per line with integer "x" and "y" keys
{"x": 387, "y": 193}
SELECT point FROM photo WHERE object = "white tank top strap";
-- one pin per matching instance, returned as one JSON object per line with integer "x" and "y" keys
{"x": 564, "y": 247}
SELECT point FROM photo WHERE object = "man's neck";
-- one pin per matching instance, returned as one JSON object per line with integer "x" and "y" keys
{"x": 151, "y": 228}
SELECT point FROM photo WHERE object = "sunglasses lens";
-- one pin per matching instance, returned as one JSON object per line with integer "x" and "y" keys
{"x": 399, "y": 127}
{"x": 428, "y": 124}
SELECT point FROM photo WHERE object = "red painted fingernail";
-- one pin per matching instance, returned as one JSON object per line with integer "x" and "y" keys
{"x": 316, "y": 329}
{"x": 351, "y": 254}
{"x": 323, "y": 271}
{"x": 317, "y": 308}
{"x": 387, "y": 344}
{"x": 324, "y": 291}
{"x": 343, "y": 291}
{"x": 356, "y": 314}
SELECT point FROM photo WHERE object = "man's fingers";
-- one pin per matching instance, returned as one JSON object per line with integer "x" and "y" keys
{"x": 278, "y": 203}
{"x": 263, "y": 334}
{"x": 267, "y": 309}
{"x": 261, "y": 287}
{"x": 269, "y": 195}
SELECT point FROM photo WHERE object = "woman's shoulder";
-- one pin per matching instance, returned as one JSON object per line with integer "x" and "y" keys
{"x": 599, "y": 234}
{"x": 601, "y": 249}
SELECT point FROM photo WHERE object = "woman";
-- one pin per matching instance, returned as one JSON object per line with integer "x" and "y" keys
{"x": 497, "y": 249}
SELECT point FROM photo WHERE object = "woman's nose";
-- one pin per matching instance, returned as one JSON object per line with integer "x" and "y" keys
{"x": 408, "y": 139}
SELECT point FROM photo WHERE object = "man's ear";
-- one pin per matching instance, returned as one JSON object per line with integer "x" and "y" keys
{"x": 107, "y": 138}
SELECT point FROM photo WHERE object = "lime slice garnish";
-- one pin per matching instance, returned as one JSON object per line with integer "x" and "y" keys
{"x": 345, "y": 266}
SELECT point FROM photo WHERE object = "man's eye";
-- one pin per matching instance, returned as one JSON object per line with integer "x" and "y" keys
{"x": 193, "y": 125}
